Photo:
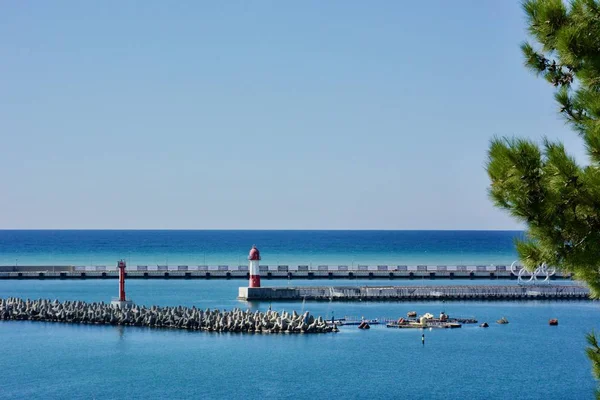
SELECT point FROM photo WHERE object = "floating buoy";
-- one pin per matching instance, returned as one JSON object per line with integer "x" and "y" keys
{"x": 553, "y": 322}
{"x": 484, "y": 325}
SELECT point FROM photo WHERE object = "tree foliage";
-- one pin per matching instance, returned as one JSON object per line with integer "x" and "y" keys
{"x": 593, "y": 353}
{"x": 541, "y": 184}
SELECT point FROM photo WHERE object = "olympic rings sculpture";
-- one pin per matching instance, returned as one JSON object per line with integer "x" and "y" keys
{"x": 524, "y": 276}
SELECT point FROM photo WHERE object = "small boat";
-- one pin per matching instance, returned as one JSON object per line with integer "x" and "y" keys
{"x": 484, "y": 325}
{"x": 502, "y": 321}
{"x": 444, "y": 325}
{"x": 553, "y": 322}
{"x": 452, "y": 325}
{"x": 408, "y": 325}
{"x": 428, "y": 321}
{"x": 403, "y": 324}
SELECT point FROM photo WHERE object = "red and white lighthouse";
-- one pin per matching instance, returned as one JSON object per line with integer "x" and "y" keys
{"x": 121, "y": 301}
{"x": 253, "y": 267}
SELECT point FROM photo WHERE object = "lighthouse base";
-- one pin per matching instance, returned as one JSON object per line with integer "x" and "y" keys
{"x": 254, "y": 281}
{"x": 121, "y": 303}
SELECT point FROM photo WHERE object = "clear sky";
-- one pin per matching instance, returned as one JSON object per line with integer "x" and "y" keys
{"x": 261, "y": 115}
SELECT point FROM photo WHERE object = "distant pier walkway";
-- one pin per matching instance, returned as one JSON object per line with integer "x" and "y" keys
{"x": 267, "y": 272}
{"x": 415, "y": 293}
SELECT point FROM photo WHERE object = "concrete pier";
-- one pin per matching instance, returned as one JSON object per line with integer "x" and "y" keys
{"x": 415, "y": 293}
{"x": 267, "y": 272}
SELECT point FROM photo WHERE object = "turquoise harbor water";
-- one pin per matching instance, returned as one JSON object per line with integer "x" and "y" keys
{"x": 526, "y": 359}
{"x": 277, "y": 247}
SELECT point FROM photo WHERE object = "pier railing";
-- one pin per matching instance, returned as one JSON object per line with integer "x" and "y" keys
{"x": 263, "y": 268}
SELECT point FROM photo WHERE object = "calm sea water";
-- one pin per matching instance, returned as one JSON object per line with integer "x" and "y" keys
{"x": 277, "y": 247}
{"x": 526, "y": 359}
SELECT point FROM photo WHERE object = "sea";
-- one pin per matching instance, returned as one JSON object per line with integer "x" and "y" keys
{"x": 525, "y": 359}
{"x": 222, "y": 247}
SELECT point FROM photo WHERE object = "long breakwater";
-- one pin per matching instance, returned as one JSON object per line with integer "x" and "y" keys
{"x": 269, "y": 272}
{"x": 236, "y": 320}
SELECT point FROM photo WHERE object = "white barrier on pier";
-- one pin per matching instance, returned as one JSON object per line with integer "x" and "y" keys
{"x": 544, "y": 272}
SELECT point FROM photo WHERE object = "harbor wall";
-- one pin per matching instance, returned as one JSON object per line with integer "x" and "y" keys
{"x": 268, "y": 272}
{"x": 416, "y": 293}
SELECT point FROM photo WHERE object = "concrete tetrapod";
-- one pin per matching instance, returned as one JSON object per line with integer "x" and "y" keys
{"x": 236, "y": 320}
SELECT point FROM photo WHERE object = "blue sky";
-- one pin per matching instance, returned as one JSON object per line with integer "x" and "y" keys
{"x": 261, "y": 115}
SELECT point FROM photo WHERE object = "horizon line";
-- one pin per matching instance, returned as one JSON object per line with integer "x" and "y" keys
{"x": 264, "y": 230}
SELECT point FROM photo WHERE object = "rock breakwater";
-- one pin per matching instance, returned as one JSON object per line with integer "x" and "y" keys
{"x": 190, "y": 318}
